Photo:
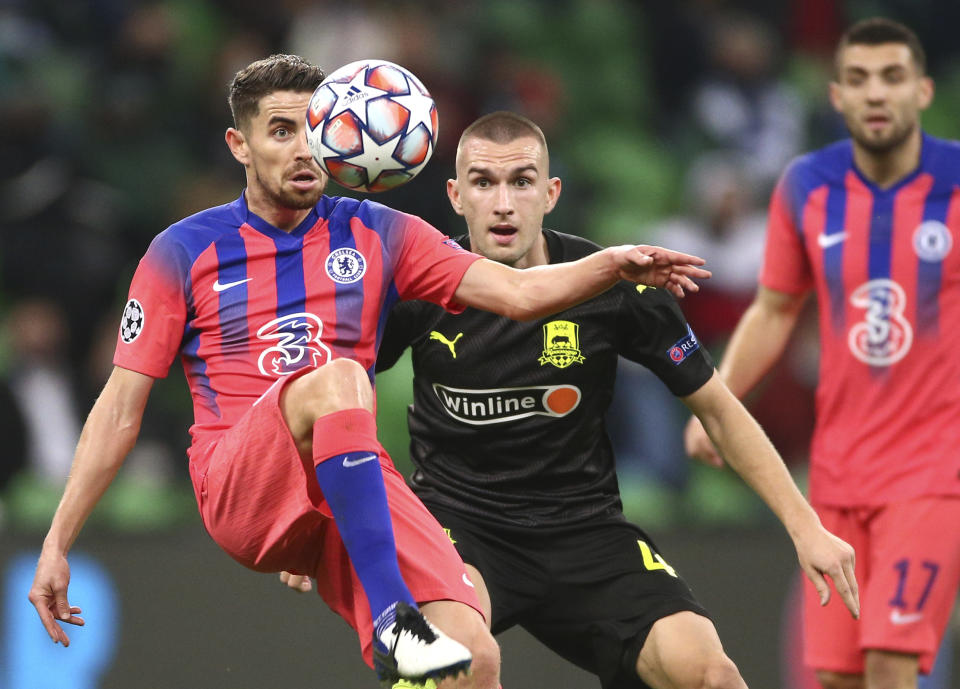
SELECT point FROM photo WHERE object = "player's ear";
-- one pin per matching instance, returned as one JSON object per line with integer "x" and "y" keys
{"x": 453, "y": 193}
{"x": 554, "y": 186}
{"x": 925, "y": 92}
{"x": 835, "y": 96}
{"x": 237, "y": 143}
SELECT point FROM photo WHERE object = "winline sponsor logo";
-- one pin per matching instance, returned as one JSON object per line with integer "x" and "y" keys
{"x": 497, "y": 405}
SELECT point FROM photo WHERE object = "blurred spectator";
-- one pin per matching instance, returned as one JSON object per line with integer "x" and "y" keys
{"x": 743, "y": 103}
{"x": 725, "y": 224}
{"x": 43, "y": 388}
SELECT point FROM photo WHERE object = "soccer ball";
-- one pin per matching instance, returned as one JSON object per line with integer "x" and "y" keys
{"x": 371, "y": 125}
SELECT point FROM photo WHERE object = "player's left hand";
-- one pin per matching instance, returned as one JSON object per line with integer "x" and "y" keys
{"x": 821, "y": 553}
{"x": 665, "y": 268}
{"x": 298, "y": 582}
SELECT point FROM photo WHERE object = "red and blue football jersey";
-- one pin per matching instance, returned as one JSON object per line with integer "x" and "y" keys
{"x": 244, "y": 303}
{"x": 886, "y": 270}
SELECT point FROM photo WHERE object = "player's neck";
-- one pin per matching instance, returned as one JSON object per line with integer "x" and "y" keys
{"x": 887, "y": 168}
{"x": 281, "y": 217}
{"x": 538, "y": 255}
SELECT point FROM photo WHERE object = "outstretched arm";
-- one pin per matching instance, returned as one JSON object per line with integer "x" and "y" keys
{"x": 758, "y": 341}
{"x": 748, "y": 450}
{"x": 108, "y": 435}
{"x": 525, "y": 295}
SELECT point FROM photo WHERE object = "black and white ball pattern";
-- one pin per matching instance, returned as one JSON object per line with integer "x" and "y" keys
{"x": 131, "y": 325}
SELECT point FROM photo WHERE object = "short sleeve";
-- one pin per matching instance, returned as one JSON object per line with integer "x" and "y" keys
{"x": 652, "y": 331}
{"x": 430, "y": 265}
{"x": 786, "y": 267}
{"x": 153, "y": 318}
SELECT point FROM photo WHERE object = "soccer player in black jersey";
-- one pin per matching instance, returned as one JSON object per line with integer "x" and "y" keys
{"x": 512, "y": 457}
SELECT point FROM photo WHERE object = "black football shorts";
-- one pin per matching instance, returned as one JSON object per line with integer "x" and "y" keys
{"x": 590, "y": 594}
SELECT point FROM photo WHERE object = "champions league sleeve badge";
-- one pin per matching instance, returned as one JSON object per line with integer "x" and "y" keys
{"x": 131, "y": 324}
{"x": 683, "y": 347}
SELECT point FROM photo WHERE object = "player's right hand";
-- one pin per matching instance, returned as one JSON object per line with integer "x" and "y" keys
{"x": 698, "y": 444}
{"x": 658, "y": 267}
{"x": 298, "y": 582}
{"x": 49, "y": 596}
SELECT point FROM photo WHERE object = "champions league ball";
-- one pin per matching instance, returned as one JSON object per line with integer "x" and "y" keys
{"x": 371, "y": 125}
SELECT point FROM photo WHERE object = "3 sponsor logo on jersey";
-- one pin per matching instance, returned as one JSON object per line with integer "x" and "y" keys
{"x": 683, "y": 347}
{"x": 346, "y": 265}
{"x": 297, "y": 344}
{"x": 499, "y": 405}
{"x": 884, "y": 336}
{"x": 131, "y": 323}
{"x": 561, "y": 344}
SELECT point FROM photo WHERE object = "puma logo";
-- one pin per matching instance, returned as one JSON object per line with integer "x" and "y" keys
{"x": 434, "y": 335}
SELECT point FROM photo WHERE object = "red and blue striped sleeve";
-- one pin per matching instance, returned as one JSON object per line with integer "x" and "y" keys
{"x": 430, "y": 265}
{"x": 786, "y": 266}
{"x": 152, "y": 324}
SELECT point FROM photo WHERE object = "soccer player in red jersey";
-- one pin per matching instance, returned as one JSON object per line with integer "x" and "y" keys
{"x": 870, "y": 225}
{"x": 276, "y": 304}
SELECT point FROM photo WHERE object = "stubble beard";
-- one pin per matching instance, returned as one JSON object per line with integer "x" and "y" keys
{"x": 297, "y": 201}
{"x": 894, "y": 140}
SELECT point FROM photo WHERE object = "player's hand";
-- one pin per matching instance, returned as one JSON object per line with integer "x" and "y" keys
{"x": 821, "y": 553}
{"x": 298, "y": 582}
{"x": 698, "y": 444}
{"x": 659, "y": 267}
{"x": 49, "y": 596}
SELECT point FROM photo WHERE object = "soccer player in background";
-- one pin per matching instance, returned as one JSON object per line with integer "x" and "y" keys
{"x": 870, "y": 225}
{"x": 513, "y": 458}
{"x": 278, "y": 335}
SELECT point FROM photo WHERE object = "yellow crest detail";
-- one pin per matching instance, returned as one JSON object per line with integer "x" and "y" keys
{"x": 561, "y": 344}
{"x": 642, "y": 288}
{"x": 450, "y": 536}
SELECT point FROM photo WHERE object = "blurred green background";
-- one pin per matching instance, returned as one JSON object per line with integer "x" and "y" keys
{"x": 668, "y": 123}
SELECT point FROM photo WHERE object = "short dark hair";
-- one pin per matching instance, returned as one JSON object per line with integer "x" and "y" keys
{"x": 263, "y": 77}
{"x": 502, "y": 127}
{"x": 880, "y": 30}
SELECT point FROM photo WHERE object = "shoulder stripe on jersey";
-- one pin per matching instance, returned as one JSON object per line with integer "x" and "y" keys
{"x": 291, "y": 290}
{"x": 195, "y": 366}
{"x": 880, "y": 253}
{"x": 835, "y": 224}
{"x": 348, "y": 296}
{"x": 232, "y": 286}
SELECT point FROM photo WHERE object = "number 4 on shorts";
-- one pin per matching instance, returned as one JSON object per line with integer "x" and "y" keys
{"x": 652, "y": 560}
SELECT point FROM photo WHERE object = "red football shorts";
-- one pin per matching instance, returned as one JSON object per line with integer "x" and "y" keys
{"x": 908, "y": 570}
{"x": 262, "y": 504}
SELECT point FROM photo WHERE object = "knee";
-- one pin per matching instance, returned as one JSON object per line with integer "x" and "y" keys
{"x": 837, "y": 680}
{"x": 720, "y": 672}
{"x": 890, "y": 670}
{"x": 339, "y": 384}
{"x": 484, "y": 669}
{"x": 710, "y": 671}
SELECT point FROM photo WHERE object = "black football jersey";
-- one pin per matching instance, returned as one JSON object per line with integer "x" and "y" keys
{"x": 507, "y": 420}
